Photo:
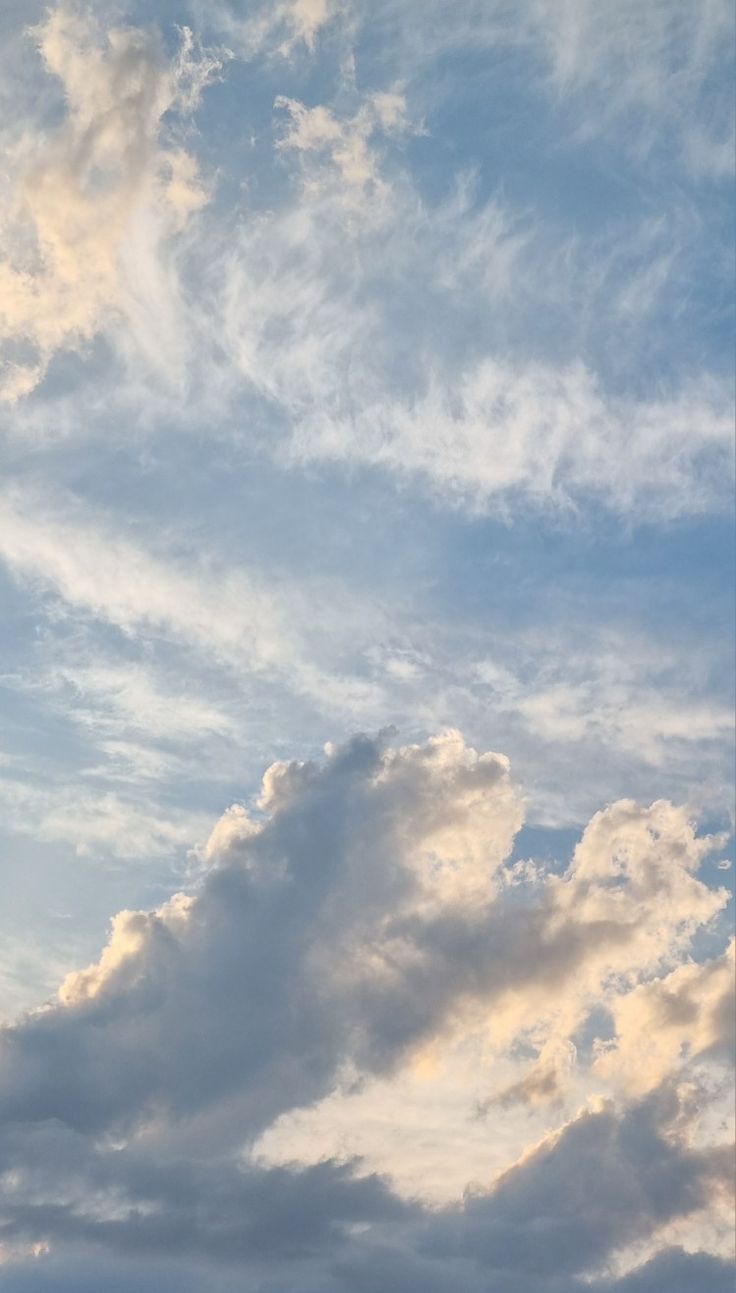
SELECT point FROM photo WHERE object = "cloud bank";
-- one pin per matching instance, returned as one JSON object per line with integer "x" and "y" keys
{"x": 359, "y": 910}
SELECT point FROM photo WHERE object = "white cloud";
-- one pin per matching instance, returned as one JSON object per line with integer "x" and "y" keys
{"x": 232, "y": 615}
{"x": 206, "y": 655}
{"x": 499, "y": 430}
{"x": 282, "y": 28}
{"x": 629, "y": 62}
{"x": 97, "y": 821}
{"x": 605, "y": 68}
{"x": 329, "y": 310}
{"x": 346, "y": 142}
{"x": 324, "y": 305}
{"x": 308, "y": 16}
{"x": 368, "y": 1048}
{"x": 322, "y": 934}
{"x": 118, "y": 699}
{"x": 680, "y": 1018}
{"x": 93, "y": 202}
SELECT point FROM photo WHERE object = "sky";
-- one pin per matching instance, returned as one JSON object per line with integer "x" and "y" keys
{"x": 366, "y": 647}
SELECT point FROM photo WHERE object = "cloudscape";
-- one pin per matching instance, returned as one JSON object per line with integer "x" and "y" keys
{"x": 366, "y": 516}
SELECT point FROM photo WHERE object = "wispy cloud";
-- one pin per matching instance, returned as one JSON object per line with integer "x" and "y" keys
{"x": 95, "y": 200}
{"x": 322, "y": 305}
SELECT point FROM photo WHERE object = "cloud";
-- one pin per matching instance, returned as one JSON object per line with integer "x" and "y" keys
{"x": 355, "y": 912}
{"x": 558, "y": 1190}
{"x": 678, "y": 1272}
{"x": 118, "y": 699}
{"x": 685, "y": 1016}
{"x": 318, "y": 130}
{"x": 554, "y": 969}
{"x": 95, "y": 199}
{"x": 329, "y": 309}
{"x": 544, "y": 1083}
{"x": 502, "y": 430}
{"x": 395, "y": 910}
{"x": 675, "y": 1270}
{"x": 308, "y": 16}
{"x": 282, "y": 28}
{"x": 599, "y": 68}
{"x": 318, "y": 298}
{"x": 96, "y": 820}
{"x": 458, "y": 264}
{"x": 164, "y": 664}
{"x": 422, "y": 805}
{"x": 650, "y": 65}
{"x": 235, "y": 618}
{"x": 545, "y": 1221}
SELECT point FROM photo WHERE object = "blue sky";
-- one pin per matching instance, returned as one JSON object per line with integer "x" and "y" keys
{"x": 367, "y": 369}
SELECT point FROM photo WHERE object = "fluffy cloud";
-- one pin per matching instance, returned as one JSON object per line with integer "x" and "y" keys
{"x": 559, "y": 1190}
{"x": 358, "y": 910}
{"x": 502, "y": 429}
{"x": 689, "y": 1014}
{"x": 348, "y": 852}
{"x": 548, "y": 1219}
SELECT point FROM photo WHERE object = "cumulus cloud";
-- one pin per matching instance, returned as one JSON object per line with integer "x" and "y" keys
{"x": 412, "y": 849}
{"x": 95, "y": 197}
{"x": 326, "y": 1227}
{"x": 584, "y": 1212}
{"x": 356, "y": 911}
{"x": 685, "y": 1016}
